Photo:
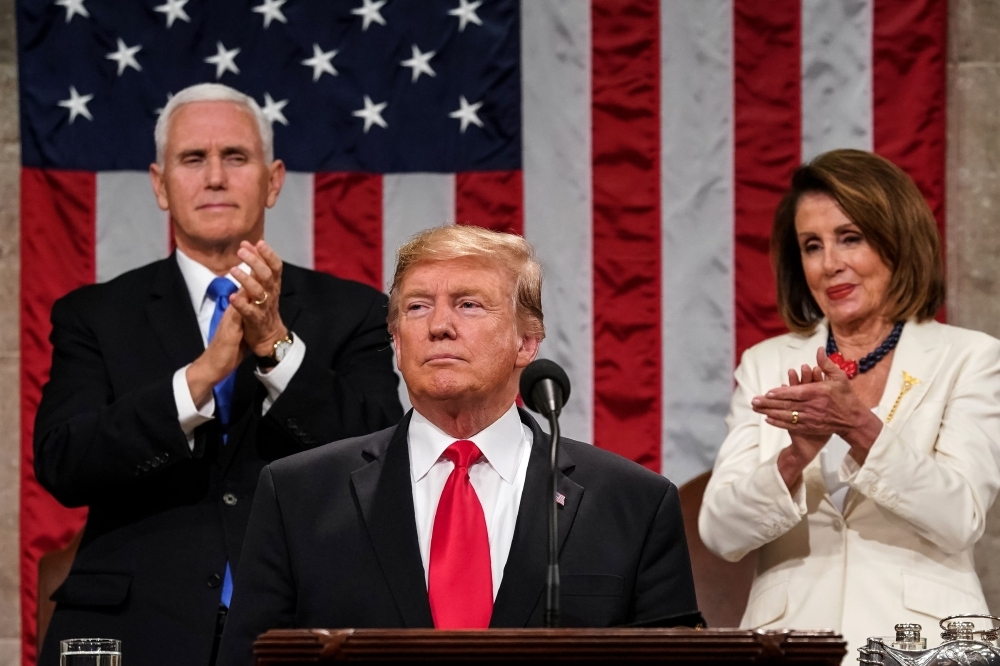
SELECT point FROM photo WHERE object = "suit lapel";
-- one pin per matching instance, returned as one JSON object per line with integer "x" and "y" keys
{"x": 171, "y": 316}
{"x": 386, "y": 502}
{"x": 524, "y": 575}
{"x": 919, "y": 355}
{"x": 248, "y": 393}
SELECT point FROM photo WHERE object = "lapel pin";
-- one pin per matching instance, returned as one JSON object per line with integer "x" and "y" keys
{"x": 560, "y": 499}
{"x": 909, "y": 381}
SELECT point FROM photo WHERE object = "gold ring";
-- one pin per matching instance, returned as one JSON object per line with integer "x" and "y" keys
{"x": 261, "y": 301}
{"x": 795, "y": 417}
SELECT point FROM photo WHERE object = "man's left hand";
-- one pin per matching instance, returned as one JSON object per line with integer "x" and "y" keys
{"x": 257, "y": 301}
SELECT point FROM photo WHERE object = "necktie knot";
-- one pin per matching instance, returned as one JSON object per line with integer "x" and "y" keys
{"x": 463, "y": 453}
{"x": 220, "y": 289}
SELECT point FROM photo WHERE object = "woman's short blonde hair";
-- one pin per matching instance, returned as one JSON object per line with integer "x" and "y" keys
{"x": 509, "y": 252}
{"x": 886, "y": 205}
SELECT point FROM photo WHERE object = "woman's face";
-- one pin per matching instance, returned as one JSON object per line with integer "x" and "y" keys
{"x": 845, "y": 274}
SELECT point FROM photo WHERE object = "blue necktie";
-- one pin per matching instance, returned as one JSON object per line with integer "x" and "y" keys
{"x": 219, "y": 291}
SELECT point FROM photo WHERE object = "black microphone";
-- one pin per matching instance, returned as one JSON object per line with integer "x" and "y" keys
{"x": 544, "y": 389}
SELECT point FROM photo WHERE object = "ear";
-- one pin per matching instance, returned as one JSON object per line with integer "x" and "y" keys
{"x": 275, "y": 180}
{"x": 395, "y": 346}
{"x": 528, "y": 350}
{"x": 159, "y": 186}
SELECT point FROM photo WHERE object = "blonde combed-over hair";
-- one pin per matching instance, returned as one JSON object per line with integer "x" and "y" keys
{"x": 508, "y": 252}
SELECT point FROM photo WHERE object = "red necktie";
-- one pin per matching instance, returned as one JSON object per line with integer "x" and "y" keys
{"x": 460, "y": 579}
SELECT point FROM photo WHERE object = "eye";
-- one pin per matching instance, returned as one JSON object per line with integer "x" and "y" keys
{"x": 853, "y": 239}
{"x": 812, "y": 246}
{"x": 236, "y": 159}
{"x": 468, "y": 305}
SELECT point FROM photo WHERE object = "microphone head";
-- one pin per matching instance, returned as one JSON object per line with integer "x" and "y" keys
{"x": 536, "y": 371}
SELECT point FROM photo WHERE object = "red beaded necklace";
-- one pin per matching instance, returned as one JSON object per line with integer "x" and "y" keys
{"x": 852, "y": 368}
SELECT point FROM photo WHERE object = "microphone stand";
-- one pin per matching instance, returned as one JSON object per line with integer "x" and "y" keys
{"x": 548, "y": 397}
{"x": 552, "y": 580}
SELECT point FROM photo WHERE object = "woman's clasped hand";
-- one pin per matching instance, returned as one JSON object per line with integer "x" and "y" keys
{"x": 816, "y": 403}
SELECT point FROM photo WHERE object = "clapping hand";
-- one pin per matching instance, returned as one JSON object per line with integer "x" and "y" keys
{"x": 257, "y": 301}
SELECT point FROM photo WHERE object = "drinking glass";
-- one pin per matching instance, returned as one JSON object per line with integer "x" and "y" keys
{"x": 90, "y": 652}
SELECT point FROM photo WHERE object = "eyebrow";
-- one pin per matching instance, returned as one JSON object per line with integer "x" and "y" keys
{"x": 226, "y": 152}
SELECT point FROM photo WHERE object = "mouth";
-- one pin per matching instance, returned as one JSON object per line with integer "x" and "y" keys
{"x": 216, "y": 206}
{"x": 442, "y": 359}
{"x": 840, "y": 291}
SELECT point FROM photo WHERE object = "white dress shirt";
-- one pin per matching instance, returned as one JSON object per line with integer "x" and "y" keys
{"x": 197, "y": 278}
{"x": 498, "y": 479}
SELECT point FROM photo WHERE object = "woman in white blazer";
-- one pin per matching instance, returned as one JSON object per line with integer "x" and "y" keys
{"x": 862, "y": 484}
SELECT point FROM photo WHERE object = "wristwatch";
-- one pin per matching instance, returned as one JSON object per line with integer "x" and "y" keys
{"x": 278, "y": 352}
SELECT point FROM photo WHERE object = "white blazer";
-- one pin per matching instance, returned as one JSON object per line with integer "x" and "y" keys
{"x": 902, "y": 549}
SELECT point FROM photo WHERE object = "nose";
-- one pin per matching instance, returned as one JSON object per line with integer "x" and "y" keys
{"x": 215, "y": 174}
{"x": 832, "y": 261}
{"x": 441, "y": 324}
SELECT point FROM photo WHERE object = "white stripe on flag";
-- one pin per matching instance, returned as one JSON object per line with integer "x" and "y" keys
{"x": 697, "y": 202}
{"x": 836, "y": 75}
{"x": 131, "y": 230}
{"x": 412, "y": 202}
{"x": 555, "y": 40}
{"x": 289, "y": 225}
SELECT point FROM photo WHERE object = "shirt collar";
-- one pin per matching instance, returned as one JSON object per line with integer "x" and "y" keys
{"x": 197, "y": 277}
{"x": 500, "y": 444}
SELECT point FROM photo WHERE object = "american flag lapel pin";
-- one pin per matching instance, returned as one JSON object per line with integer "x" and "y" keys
{"x": 560, "y": 499}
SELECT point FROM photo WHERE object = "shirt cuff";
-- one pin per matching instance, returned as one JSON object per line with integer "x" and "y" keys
{"x": 189, "y": 416}
{"x": 849, "y": 468}
{"x": 278, "y": 378}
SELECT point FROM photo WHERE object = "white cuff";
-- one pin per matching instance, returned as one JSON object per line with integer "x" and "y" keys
{"x": 277, "y": 378}
{"x": 189, "y": 416}
{"x": 849, "y": 468}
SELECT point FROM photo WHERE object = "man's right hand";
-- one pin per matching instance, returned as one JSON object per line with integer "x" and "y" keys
{"x": 220, "y": 358}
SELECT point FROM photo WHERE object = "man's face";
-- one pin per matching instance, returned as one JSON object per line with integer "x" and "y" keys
{"x": 456, "y": 338}
{"x": 214, "y": 180}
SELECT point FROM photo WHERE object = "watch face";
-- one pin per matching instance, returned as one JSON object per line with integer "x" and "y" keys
{"x": 281, "y": 349}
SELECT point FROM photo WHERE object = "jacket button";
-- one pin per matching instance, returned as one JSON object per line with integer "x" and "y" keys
{"x": 154, "y": 463}
{"x": 144, "y": 466}
{"x": 214, "y": 581}
{"x": 292, "y": 424}
{"x": 229, "y": 499}
{"x": 838, "y": 525}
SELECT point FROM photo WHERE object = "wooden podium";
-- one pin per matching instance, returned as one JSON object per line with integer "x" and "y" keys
{"x": 700, "y": 646}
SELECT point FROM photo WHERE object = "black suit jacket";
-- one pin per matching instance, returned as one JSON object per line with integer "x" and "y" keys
{"x": 164, "y": 520}
{"x": 332, "y": 542}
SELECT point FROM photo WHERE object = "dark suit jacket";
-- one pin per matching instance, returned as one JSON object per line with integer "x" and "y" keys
{"x": 332, "y": 542}
{"x": 164, "y": 520}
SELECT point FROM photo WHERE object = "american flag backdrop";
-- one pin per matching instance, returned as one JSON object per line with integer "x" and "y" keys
{"x": 640, "y": 145}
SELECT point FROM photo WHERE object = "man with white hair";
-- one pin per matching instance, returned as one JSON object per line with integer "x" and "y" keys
{"x": 174, "y": 384}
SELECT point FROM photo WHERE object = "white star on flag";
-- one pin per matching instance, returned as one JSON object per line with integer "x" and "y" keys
{"x": 467, "y": 113}
{"x": 125, "y": 56}
{"x": 370, "y": 12}
{"x": 173, "y": 9}
{"x": 272, "y": 110}
{"x": 419, "y": 63}
{"x": 224, "y": 61}
{"x": 271, "y": 9}
{"x": 372, "y": 113}
{"x": 77, "y": 105}
{"x": 159, "y": 111}
{"x": 466, "y": 13}
{"x": 73, "y": 7}
{"x": 320, "y": 62}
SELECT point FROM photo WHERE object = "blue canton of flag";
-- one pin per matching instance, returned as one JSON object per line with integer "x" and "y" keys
{"x": 349, "y": 85}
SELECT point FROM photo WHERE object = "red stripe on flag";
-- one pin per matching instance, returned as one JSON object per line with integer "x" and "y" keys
{"x": 767, "y": 112}
{"x": 626, "y": 235}
{"x": 909, "y": 48}
{"x": 491, "y": 199}
{"x": 57, "y": 256}
{"x": 347, "y": 237}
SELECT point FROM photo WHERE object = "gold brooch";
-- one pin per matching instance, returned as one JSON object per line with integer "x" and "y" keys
{"x": 909, "y": 381}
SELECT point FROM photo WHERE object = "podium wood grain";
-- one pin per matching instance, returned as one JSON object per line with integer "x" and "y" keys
{"x": 701, "y": 646}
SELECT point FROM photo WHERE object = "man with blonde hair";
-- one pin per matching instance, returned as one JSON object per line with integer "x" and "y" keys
{"x": 174, "y": 384}
{"x": 440, "y": 520}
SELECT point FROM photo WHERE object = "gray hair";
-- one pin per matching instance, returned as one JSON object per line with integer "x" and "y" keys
{"x": 213, "y": 92}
